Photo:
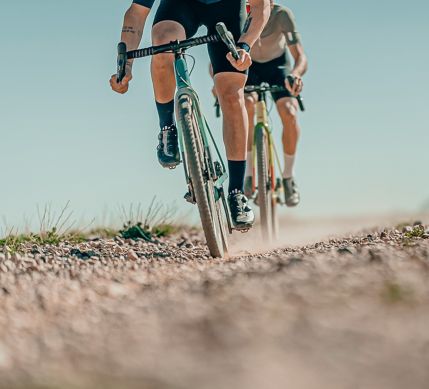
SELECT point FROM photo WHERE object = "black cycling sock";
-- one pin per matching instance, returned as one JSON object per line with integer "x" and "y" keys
{"x": 165, "y": 113}
{"x": 237, "y": 170}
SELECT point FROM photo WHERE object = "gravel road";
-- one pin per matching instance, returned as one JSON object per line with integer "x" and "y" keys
{"x": 350, "y": 312}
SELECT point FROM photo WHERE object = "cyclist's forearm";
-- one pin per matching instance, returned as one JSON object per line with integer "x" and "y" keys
{"x": 259, "y": 14}
{"x": 301, "y": 62}
{"x": 132, "y": 30}
{"x": 301, "y": 65}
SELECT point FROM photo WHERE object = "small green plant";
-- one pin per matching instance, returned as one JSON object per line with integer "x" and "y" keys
{"x": 409, "y": 237}
{"x": 157, "y": 221}
{"x": 417, "y": 232}
{"x": 135, "y": 231}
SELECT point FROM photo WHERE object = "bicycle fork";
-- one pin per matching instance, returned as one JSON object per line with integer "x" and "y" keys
{"x": 214, "y": 171}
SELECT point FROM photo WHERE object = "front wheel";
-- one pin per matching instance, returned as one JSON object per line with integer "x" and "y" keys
{"x": 210, "y": 210}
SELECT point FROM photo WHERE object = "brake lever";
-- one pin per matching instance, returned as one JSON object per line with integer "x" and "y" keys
{"x": 122, "y": 62}
{"x": 228, "y": 39}
{"x": 291, "y": 80}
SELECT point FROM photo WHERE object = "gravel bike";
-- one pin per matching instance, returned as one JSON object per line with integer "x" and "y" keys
{"x": 204, "y": 168}
{"x": 268, "y": 185}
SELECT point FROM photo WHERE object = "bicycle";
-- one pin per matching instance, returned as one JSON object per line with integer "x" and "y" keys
{"x": 205, "y": 175}
{"x": 265, "y": 156}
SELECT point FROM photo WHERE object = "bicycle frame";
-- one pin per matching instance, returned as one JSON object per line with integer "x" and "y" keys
{"x": 262, "y": 124}
{"x": 217, "y": 171}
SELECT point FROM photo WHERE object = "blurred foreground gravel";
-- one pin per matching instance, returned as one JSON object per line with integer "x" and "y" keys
{"x": 344, "y": 313}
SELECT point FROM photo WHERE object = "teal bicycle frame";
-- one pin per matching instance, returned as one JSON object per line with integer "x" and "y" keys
{"x": 217, "y": 172}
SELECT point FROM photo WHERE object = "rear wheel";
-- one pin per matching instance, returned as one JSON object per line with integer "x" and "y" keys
{"x": 274, "y": 217}
{"x": 264, "y": 187}
{"x": 211, "y": 213}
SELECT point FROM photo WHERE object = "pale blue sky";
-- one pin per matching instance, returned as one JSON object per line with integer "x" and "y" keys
{"x": 66, "y": 136}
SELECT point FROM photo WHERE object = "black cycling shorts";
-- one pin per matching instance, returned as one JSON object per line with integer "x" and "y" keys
{"x": 273, "y": 72}
{"x": 192, "y": 14}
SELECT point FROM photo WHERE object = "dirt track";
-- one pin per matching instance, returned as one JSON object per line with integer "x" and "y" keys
{"x": 344, "y": 313}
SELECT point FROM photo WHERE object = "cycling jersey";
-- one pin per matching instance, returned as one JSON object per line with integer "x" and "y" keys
{"x": 149, "y": 3}
{"x": 279, "y": 33}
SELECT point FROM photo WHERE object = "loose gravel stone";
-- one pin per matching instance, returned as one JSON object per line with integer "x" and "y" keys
{"x": 132, "y": 255}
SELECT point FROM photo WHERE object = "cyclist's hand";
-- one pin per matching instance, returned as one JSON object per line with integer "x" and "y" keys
{"x": 243, "y": 63}
{"x": 297, "y": 86}
{"x": 121, "y": 87}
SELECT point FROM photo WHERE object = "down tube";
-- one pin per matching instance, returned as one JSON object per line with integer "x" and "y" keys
{"x": 182, "y": 82}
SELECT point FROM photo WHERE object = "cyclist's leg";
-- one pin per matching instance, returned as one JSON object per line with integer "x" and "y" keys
{"x": 162, "y": 66}
{"x": 229, "y": 87}
{"x": 287, "y": 107}
{"x": 174, "y": 20}
{"x": 235, "y": 125}
{"x": 250, "y": 100}
{"x": 229, "y": 84}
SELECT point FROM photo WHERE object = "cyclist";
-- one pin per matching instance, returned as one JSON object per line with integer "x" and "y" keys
{"x": 178, "y": 20}
{"x": 271, "y": 63}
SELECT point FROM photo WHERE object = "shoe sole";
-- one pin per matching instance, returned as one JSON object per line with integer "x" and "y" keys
{"x": 243, "y": 227}
{"x": 169, "y": 166}
{"x": 292, "y": 205}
